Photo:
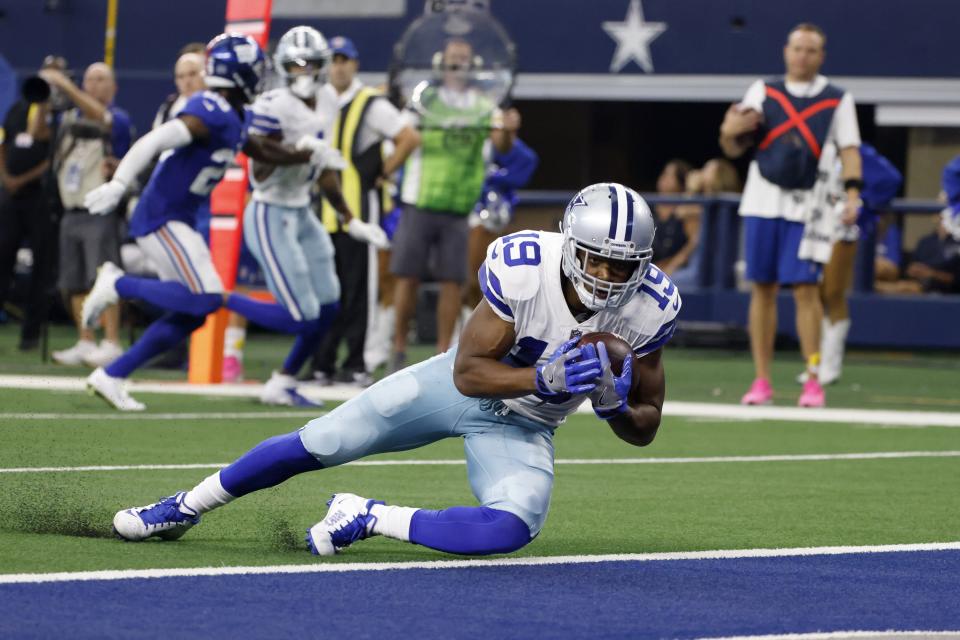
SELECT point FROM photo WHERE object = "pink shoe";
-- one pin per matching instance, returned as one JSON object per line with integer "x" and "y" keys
{"x": 812, "y": 395}
{"x": 760, "y": 393}
{"x": 232, "y": 369}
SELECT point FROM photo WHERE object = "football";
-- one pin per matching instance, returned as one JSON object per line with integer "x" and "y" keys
{"x": 617, "y": 349}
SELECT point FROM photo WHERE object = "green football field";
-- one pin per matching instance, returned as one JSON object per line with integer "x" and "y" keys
{"x": 699, "y": 486}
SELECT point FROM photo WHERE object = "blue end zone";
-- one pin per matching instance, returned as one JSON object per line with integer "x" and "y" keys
{"x": 680, "y": 599}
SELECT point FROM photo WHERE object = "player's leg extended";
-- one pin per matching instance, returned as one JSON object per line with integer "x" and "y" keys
{"x": 415, "y": 407}
{"x": 189, "y": 289}
{"x": 510, "y": 465}
{"x": 273, "y": 236}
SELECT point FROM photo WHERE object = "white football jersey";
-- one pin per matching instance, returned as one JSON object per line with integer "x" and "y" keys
{"x": 521, "y": 281}
{"x": 279, "y": 111}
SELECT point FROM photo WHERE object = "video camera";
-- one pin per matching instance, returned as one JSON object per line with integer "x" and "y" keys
{"x": 37, "y": 90}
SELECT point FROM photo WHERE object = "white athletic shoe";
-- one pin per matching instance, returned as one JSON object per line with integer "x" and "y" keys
{"x": 168, "y": 519}
{"x": 281, "y": 389}
{"x": 104, "y": 354}
{"x": 102, "y": 295}
{"x": 113, "y": 390}
{"x": 76, "y": 354}
{"x": 348, "y": 519}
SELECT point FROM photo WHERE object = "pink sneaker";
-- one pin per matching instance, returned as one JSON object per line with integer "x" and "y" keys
{"x": 232, "y": 369}
{"x": 760, "y": 393}
{"x": 812, "y": 395}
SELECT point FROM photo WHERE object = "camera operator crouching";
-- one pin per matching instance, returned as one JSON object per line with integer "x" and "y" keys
{"x": 92, "y": 137}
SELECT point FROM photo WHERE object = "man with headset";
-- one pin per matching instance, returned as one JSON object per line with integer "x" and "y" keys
{"x": 442, "y": 181}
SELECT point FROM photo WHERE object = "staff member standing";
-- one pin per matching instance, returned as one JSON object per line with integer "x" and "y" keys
{"x": 442, "y": 182}
{"x": 91, "y": 139}
{"x": 793, "y": 118}
{"x": 365, "y": 121}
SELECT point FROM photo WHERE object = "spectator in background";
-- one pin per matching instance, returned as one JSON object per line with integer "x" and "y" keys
{"x": 935, "y": 263}
{"x": 881, "y": 181}
{"x": 442, "y": 182}
{"x": 25, "y": 212}
{"x": 494, "y": 210}
{"x": 188, "y": 77}
{"x": 777, "y": 198}
{"x": 92, "y": 137}
{"x": 717, "y": 176}
{"x": 365, "y": 121}
{"x": 934, "y": 266}
{"x": 672, "y": 243}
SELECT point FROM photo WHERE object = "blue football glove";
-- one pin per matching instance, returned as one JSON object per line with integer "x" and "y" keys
{"x": 569, "y": 370}
{"x": 609, "y": 399}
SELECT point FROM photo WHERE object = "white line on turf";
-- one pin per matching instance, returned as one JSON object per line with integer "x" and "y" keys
{"x": 721, "y": 554}
{"x": 840, "y": 635}
{"x": 808, "y": 457}
{"x": 670, "y": 409}
{"x": 119, "y": 415}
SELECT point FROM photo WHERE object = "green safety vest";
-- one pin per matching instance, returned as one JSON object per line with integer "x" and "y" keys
{"x": 452, "y": 167}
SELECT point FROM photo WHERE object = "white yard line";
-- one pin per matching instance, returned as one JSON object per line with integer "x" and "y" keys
{"x": 807, "y": 457}
{"x": 319, "y": 567}
{"x": 120, "y": 415}
{"x": 708, "y": 410}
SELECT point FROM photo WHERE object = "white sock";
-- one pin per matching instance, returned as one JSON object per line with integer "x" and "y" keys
{"x": 233, "y": 342}
{"x": 208, "y": 495}
{"x": 392, "y": 522}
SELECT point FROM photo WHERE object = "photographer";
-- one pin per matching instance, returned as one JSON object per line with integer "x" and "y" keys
{"x": 92, "y": 137}
{"x": 25, "y": 213}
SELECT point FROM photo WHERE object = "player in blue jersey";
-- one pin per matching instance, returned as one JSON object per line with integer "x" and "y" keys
{"x": 512, "y": 381}
{"x": 196, "y": 148}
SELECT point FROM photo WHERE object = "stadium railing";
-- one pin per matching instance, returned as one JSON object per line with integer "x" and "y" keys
{"x": 719, "y": 244}
{"x": 715, "y": 305}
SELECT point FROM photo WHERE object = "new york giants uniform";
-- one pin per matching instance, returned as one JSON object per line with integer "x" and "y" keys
{"x": 164, "y": 220}
{"x": 279, "y": 227}
{"x": 508, "y": 444}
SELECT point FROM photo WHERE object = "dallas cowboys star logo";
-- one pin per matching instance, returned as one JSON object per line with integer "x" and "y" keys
{"x": 633, "y": 37}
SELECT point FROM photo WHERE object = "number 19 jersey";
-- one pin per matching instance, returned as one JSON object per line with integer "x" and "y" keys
{"x": 521, "y": 281}
{"x": 184, "y": 177}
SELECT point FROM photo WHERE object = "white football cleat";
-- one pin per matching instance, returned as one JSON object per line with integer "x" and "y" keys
{"x": 102, "y": 295}
{"x": 76, "y": 354}
{"x": 348, "y": 519}
{"x": 168, "y": 519}
{"x": 104, "y": 354}
{"x": 113, "y": 390}
{"x": 281, "y": 389}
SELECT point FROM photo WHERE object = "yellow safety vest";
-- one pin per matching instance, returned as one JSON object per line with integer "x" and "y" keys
{"x": 362, "y": 170}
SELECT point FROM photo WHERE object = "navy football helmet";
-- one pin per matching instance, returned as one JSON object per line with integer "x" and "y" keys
{"x": 235, "y": 61}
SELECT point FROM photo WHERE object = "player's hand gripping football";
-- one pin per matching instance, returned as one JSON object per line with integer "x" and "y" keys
{"x": 609, "y": 399}
{"x": 104, "y": 198}
{"x": 569, "y": 370}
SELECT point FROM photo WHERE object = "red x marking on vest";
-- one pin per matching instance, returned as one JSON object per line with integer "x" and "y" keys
{"x": 797, "y": 120}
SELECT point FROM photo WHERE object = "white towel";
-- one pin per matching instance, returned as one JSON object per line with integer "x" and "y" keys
{"x": 827, "y": 200}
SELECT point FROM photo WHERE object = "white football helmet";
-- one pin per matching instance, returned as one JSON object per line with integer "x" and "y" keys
{"x": 300, "y": 47}
{"x": 610, "y": 221}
